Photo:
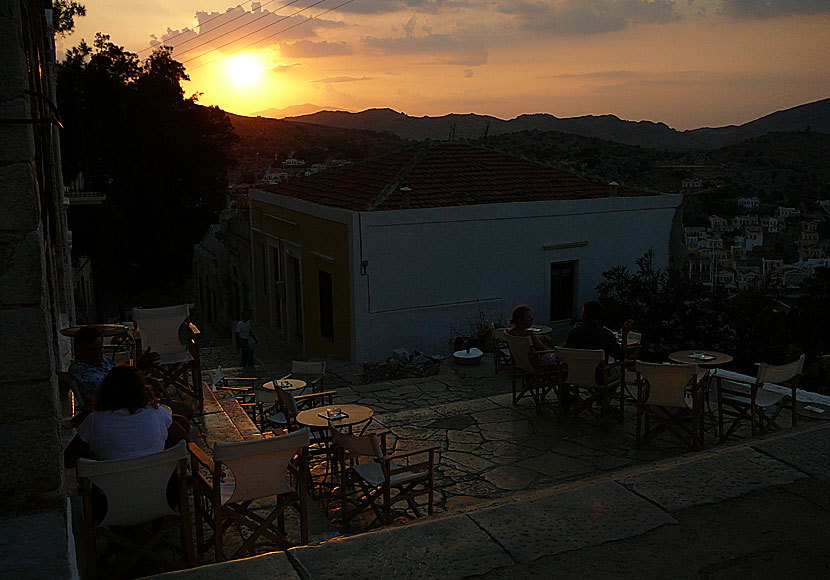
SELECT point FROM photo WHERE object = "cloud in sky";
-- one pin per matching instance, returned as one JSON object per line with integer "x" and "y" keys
{"x": 343, "y": 79}
{"x": 460, "y": 46}
{"x": 310, "y": 49}
{"x": 753, "y": 9}
{"x": 237, "y": 28}
{"x": 588, "y": 16}
{"x": 604, "y": 74}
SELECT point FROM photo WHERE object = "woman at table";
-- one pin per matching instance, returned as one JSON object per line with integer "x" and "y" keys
{"x": 522, "y": 321}
{"x": 126, "y": 421}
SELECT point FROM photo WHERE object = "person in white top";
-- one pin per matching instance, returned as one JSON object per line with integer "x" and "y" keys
{"x": 126, "y": 421}
{"x": 244, "y": 335}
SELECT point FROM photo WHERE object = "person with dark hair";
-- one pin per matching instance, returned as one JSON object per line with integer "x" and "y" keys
{"x": 90, "y": 365}
{"x": 522, "y": 320}
{"x": 126, "y": 421}
{"x": 590, "y": 334}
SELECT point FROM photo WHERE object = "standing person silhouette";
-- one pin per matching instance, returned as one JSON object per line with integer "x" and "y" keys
{"x": 244, "y": 335}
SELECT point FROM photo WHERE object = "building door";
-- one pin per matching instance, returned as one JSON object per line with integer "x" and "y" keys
{"x": 294, "y": 297}
{"x": 563, "y": 293}
{"x": 277, "y": 294}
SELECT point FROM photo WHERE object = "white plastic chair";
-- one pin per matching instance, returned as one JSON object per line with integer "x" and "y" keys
{"x": 136, "y": 494}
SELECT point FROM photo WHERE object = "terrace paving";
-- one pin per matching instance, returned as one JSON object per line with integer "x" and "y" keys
{"x": 518, "y": 493}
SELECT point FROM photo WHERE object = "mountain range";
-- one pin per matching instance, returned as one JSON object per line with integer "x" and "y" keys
{"x": 813, "y": 116}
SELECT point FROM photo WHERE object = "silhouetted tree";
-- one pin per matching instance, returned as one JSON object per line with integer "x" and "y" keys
{"x": 160, "y": 158}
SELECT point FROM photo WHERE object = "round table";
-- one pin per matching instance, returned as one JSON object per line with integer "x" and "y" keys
{"x": 296, "y": 385}
{"x": 357, "y": 414}
{"x": 811, "y": 413}
{"x": 687, "y": 357}
{"x": 105, "y": 329}
{"x": 540, "y": 329}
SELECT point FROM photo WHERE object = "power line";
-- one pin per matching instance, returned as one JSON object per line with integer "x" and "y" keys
{"x": 245, "y": 35}
{"x": 267, "y": 37}
{"x": 209, "y": 20}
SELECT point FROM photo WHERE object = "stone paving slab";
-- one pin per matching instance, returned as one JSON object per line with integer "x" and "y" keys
{"x": 710, "y": 478}
{"x": 448, "y": 548}
{"x": 273, "y": 566}
{"x": 569, "y": 520}
{"x": 808, "y": 451}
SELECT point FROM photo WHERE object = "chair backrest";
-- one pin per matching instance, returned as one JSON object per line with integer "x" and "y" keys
{"x": 366, "y": 445}
{"x": 780, "y": 373}
{"x": 159, "y": 328}
{"x": 260, "y": 466}
{"x": 287, "y": 402}
{"x": 667, "y": 383}
{"x": 520, "y": 347}
{"x": 582, "y": 364}
{"x": 136, "y": 488}
{"x": 299, "y": 367}
{"x": 216, "y": 377}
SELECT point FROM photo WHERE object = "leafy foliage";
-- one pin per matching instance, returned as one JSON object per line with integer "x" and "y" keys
{"x": 675, "y": 313}
{"x": 160, "y": 158}
{"x": 64, "y": 13}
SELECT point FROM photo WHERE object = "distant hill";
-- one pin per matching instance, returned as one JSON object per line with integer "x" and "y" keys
{"x": 294, "y": 110}
{"x": 815, "y": 116}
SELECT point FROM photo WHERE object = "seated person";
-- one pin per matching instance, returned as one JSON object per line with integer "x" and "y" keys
{"x": 590, "y": 334}
{"x": 126, "y": 421}
{"x": 522, "y": 319}
{"x": 90, "y": 367}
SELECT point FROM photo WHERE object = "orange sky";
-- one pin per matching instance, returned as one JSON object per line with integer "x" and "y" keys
{"x": 688, "y": 64}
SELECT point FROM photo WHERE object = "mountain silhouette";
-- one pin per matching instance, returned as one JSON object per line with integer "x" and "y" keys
{"x": 810, "y": 117}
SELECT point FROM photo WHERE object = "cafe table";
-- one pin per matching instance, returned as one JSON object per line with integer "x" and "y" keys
{"x": 286, "y": 385}
{"x": 104, "y": 329}
{"x": 704, "y": 358}
{"x": 315, "y": 418}
{"x": 540, "y": 329}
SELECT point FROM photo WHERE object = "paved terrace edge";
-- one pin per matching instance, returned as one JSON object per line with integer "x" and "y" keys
{"x": 531, "y": 525}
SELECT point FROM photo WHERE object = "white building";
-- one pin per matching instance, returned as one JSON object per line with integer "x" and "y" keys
{"x": 749, "y": 203}
{"x": 403, "y": 251}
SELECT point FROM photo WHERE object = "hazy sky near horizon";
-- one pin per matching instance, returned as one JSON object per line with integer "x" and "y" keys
{"x": 689, "y": 63}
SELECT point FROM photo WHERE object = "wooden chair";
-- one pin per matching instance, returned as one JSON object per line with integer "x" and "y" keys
{"x": 286, "y": 407}
{"x": 670, "y": 394}
{"x": 179, "y": 365}
{"x": 260, "y": 469}
{"x": 758, "y": 399}
{"x": 529, "y": 379}
{"x": 312, "y": 372}
{"x": 384, "y": 480}
{"x": 585, "y": 379}
{"x": 501, "y": 350}
{"x": 138, "y": 514}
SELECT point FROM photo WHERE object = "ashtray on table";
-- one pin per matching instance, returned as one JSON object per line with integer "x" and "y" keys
{"x": 333, "y": 414}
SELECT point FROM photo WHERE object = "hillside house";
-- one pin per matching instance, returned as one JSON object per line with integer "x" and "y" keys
{"x": 405, "y": 250}
{"x": 753, "y": 238}
{"x": 769, "y": 224}
{"x": 750, "y": 203}
{"x": 719, "y": 224}
{"x": 742, "y": 221}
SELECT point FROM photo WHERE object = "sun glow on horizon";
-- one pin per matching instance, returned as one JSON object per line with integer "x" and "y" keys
{"x": 244, "y": 71}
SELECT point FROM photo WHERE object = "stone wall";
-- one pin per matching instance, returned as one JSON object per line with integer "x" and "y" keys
{"x": 34, "y": 300}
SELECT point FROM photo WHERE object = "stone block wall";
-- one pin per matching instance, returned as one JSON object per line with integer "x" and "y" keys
{"x": 34, "y": 301}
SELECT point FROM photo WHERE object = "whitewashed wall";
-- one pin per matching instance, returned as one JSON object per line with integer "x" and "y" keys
{"x": 428, "y": 272}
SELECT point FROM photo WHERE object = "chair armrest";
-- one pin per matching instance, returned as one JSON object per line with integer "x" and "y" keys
{"x": 200, "y": 457}
{"x": 312, "y": 396}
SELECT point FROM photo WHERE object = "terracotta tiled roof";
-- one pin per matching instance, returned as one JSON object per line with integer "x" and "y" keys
{"x": 441, "y": 175}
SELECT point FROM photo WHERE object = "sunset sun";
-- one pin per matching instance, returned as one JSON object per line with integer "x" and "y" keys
{"x": 244, "y": 70}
